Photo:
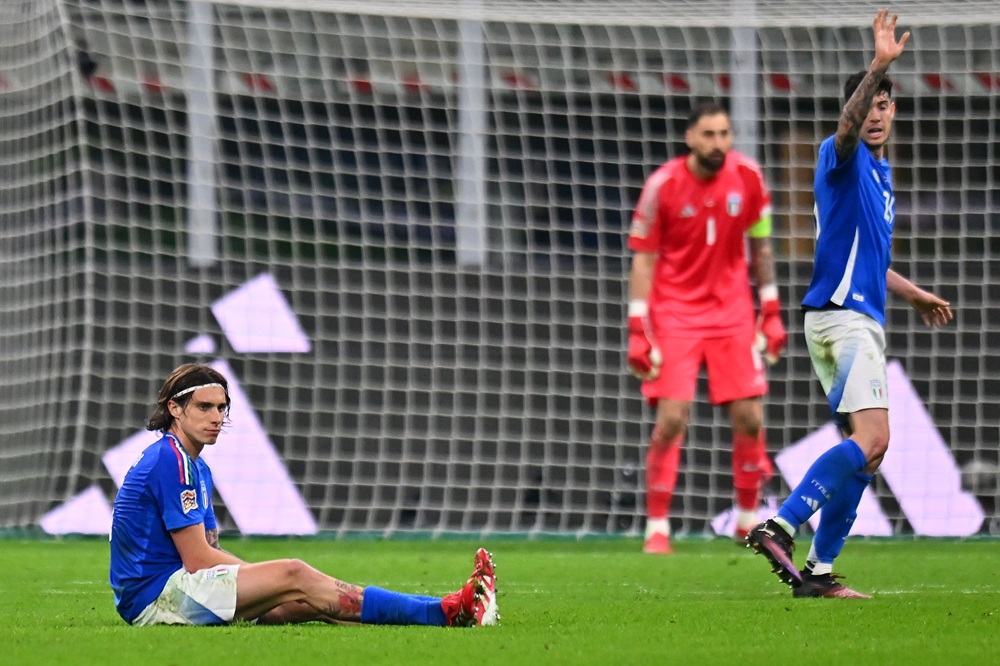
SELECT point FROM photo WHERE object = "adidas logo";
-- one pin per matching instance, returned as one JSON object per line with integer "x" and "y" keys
{"x": 813, "y": 504}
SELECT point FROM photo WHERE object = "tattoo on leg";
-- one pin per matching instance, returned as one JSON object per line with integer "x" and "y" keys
{"x": 350, "y": 604}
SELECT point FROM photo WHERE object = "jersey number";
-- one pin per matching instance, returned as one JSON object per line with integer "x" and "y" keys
{"x": 890, "y": 204}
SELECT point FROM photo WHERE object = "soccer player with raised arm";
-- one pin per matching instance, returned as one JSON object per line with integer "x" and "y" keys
{"x": 690, "y": 304}
{"x": 166, "y": 564}
{"x": 844, "y": 324}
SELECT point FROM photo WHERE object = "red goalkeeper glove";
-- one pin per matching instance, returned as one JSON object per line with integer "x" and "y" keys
{"x": 643, "y": 354}
{"x": 771, "y": 334}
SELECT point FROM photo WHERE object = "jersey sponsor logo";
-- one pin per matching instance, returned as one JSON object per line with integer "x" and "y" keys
{"x": 734, "y": 202}
{"x": 189, "y": 500}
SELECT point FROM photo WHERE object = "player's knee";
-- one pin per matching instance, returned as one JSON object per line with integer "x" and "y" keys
{"x": 295, "y": 572}
{"x": 874, "y": 444}
{"x": 667, "y": 430}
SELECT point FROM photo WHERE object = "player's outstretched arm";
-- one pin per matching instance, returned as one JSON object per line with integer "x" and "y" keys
{"x": 935, "y": 311}
{"x": 853, "y": 115}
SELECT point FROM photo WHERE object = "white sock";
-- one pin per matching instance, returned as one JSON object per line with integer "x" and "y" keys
{"x": 819, "y": 568}
{"x": 814, "y": 566}
{"x": 657, "y": 526}
{"x": 746, "y": 518}
{"x": 785, "y": 525}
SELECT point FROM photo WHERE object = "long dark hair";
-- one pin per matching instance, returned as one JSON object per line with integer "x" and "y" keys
{"x": 180, "y": 381}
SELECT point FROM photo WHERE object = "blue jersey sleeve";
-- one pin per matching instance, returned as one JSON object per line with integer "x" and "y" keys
{"x": 175, "y": 487}
{"x": 829, "y": 165}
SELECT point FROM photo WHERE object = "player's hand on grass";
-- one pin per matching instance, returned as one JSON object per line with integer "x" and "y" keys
{"x": 771, "y": 331}
{"x": 643, "y": 353}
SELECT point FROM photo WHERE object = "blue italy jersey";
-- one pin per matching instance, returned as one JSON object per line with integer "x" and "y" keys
{"x": 855, "y": 213}
{"x": 164, "y": 490}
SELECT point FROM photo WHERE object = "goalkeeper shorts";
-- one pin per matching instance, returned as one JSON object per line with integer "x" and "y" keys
{"x": 733, "y": 364}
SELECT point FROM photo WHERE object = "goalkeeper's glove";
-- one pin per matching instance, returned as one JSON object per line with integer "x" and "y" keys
{"x": 771, "y": 336}
{"x": 643, "y": 354}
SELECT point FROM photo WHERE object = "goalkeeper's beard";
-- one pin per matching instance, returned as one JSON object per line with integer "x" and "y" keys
{"x": 712, "y": 162}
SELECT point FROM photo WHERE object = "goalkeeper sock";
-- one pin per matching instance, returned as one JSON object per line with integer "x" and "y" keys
{"x": 750, "y": 469}
{"x": 822, "y": 481}
{"x": 662, "y": 463}
{"x": 387, "y": 607}
{"x": 837, "y": 519}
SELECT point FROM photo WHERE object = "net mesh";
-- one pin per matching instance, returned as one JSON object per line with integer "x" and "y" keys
{"x": 402, "y": 230}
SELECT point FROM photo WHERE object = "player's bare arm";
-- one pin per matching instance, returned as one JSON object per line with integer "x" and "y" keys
{"x": 853, "y": 115}
{"x": 212, "y": 537}
{"x": 643, "y": 353}
{"x": 770, "y": 329}
{"x": 641, "y": 278}
{"x": 196, "y": 552}
{"x": 935, "y": 311}
{"x": 762, "y": 261}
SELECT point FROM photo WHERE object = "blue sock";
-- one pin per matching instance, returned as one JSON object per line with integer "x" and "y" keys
{"x": 385, "y": 607}
{"x": 822, "y": 481}
{"x": 837, "y": 518}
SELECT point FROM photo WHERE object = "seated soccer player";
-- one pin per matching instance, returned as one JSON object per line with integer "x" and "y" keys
{"x": 166, "y": 564}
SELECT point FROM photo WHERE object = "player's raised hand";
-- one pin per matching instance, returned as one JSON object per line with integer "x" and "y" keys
{"x": 887, "y": 48}
{"x": 643, "y": 353}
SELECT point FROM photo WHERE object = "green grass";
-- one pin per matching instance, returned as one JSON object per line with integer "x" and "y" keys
{"x": 562, "y": 602}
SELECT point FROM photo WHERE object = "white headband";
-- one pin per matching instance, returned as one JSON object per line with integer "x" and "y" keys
{"x": 193, "y": 389}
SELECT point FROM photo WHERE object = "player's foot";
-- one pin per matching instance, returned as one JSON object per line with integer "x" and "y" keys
{"x": 460, "y": 607}
{"x": 657, "y": 543}
{"x": 825, "y": 585}
{"x": 773, "y": 542}
{"x": 476, "y": 603}
{"x": 485, "y": 572}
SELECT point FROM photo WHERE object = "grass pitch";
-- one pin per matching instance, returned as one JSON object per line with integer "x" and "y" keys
{"x": 562, "y": 602}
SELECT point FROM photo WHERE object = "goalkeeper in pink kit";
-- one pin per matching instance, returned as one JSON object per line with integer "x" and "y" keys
{"x": 690, "y": 304}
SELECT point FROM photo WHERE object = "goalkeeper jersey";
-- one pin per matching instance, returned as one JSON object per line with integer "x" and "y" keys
{"x": 697, "y": 229}
{"x": 164, "y": 490}
{"x": 855, "y": 213}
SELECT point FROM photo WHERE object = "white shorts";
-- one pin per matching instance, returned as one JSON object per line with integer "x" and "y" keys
{"x": 848, "y": 355}
{"x": 207, "y": 596}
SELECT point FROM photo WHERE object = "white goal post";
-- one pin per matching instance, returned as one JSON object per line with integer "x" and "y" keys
{"x": 400, "y": 229}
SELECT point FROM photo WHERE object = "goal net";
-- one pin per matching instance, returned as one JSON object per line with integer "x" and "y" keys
{"x": 399, "y": 229}
{"x": 43, "y": 250}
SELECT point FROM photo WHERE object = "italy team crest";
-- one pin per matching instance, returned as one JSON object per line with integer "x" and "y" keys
{"x": 734, "y": 202}
{"x": 876, "y": 386}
